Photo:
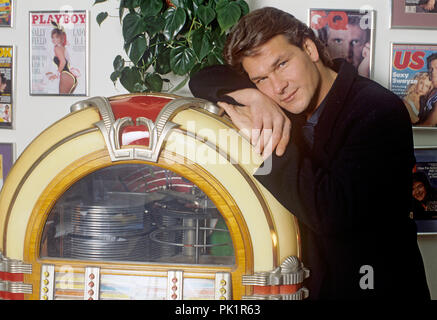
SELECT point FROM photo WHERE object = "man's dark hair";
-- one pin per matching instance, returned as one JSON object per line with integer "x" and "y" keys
{"x": 261, "y": 25}
{"x": 429, "y": 59}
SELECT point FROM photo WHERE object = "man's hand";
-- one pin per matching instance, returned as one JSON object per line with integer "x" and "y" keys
{"x": 267, "y": 125}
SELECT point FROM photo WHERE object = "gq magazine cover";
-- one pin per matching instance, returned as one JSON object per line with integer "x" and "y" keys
{"x": 411, "y": 79}
{"x": 347, "y": 34}
{"x": 58, "y": 42}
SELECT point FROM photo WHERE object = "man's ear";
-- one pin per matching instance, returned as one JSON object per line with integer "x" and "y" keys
{"x": 310, "y": 48}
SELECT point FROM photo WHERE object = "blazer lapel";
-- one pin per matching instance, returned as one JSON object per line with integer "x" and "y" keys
{"x": 335, "y": 102}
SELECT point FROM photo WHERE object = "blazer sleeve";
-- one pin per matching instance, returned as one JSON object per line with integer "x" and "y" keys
{"x": 214, "y": 82}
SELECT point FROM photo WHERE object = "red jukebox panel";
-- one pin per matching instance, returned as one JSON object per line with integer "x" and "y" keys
{"x": 144, "y": 197}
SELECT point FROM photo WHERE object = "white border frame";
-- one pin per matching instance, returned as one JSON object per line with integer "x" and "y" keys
{"x": 87, "y": 54}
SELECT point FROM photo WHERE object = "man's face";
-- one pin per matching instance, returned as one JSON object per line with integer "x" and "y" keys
{"x": 347, "y": 44}
{"x": 433, "y": 72}
{"x": 285, "y": 73}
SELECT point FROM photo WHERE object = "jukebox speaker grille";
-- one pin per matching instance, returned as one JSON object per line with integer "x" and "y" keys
{"x": 137, "y": 212}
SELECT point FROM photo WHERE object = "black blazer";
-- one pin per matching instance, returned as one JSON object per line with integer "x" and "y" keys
{"x": 351, "y": 194}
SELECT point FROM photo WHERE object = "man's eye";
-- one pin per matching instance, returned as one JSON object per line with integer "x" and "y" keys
{"x": 355, "y": 42}
{"x": 338, "y": 41}
{"x": 260, "y": 80}
{"x": 283, "y": 64}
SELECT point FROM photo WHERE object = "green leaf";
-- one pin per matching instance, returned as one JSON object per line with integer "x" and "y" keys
{"x": 101, "y": 17}
{"x": 146, "y": 60}
{"x": 244, "y": 7}
{"x": 118, "y": 63}
{"x": 205, "y": 14}
{"x": 162, "y": 64}
{"x": 154, "y": 82}
{"x": 115, "y": 75}
{"x": 150, "y": 8}
{"x": 182, "y": 59}
{"x": 154, "y": 25}
{"x": 133, "y": 25}
{"x": 130, "y": 76}
{"x": 137, "y": 49}
{"x": 228, "y": 14}
{"x": 99, "y": 1}
{"x": 215, "y": 57}
{"x": 140, "y": 87}
{"x": 202, "y": 43}
{"x": 178, "y": 3}
{"x": 180, "y": 85}
{"x": 174, "y": 22}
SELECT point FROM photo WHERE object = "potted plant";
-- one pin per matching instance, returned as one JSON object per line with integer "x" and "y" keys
{"x": 163, "y": 37}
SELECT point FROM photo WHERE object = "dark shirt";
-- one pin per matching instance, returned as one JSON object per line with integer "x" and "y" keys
{"x": 308, "y": 127}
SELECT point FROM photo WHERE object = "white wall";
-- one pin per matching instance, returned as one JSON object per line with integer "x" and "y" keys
{"x": 33, "y": 114}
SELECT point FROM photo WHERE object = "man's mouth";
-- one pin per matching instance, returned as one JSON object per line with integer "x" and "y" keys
{"x": 290, "y": 97}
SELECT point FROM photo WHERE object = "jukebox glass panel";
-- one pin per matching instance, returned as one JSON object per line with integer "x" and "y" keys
{"x": 139, "y": 213}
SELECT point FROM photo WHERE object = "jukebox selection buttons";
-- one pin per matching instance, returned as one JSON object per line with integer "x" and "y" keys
{"x": 223, "y": 286}
{"x": 174, "y": 285}
{"x": 92, "y": 283}
{"x": 47, "y": 287}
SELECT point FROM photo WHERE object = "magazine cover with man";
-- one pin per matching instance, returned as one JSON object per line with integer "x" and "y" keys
{"x": 410, "y": 79}
{"x": 347, "y": 34}
{"x": 58, "y": 43}
{"x": 6, "y": 74}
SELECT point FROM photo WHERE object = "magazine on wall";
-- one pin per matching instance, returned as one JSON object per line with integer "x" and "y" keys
{"x": 347, "y": 34}
{"x": 424, "y": 190}
{"x": 59, "y": 53}
{"x": 411, "y": 78}
{"x": 6, "y": 160}
{"x": 420, "y": 6}
{"x": 5, "y": 13}
{"x": 6, "y": 81}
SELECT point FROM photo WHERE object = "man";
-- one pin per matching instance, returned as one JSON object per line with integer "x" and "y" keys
{"x": 428, "y": 103}
{"x": 351, "y": 44}
{"x": 346, "y": 172}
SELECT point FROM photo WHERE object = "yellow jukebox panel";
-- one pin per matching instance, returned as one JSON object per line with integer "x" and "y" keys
{"x": 150, "y": 197}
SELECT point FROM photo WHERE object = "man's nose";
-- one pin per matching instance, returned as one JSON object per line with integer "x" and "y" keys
{"x": 279, "y": 84}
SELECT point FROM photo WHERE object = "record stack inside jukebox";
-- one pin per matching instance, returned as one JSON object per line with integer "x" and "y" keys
{"x": 144, "y": 197}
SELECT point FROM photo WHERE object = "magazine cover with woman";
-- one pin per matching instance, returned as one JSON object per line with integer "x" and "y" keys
{"x": 58, "y": 42}
{"x": 414, "y": 78}
{"x": 6, "y": 81}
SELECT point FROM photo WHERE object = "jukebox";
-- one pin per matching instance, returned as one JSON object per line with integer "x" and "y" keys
{"x": 144, "y": 197}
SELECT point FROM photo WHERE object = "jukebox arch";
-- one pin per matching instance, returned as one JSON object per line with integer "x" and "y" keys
{"x": 263, "y": 234}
